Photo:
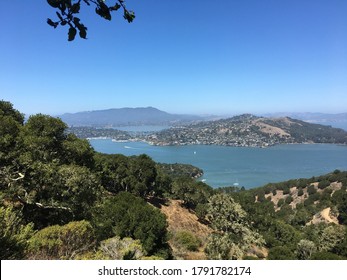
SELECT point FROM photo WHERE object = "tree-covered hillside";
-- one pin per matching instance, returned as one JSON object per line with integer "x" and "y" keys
{"x": 300, "y": 218}
{"x": 59, "y": 199}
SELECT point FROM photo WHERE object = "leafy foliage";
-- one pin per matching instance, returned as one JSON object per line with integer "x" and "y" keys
{"x": 233, "y": 237}
{"x": 66, "y": 11}
{"x": 191, "y": 192}
{"x": 187, "y": 240}
{"x": 11, "y": 121}
{"x": 305, "y": 249}
{"x": 136, "y": 175}
{"x": 116, "y": 248}
{"x": 125, "y": 215}
{"x": 281, "y": 253}
{"x": 62, "y": 242}
{"x": 14, "y": 234}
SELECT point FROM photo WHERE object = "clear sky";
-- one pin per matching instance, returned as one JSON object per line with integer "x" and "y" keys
{"x": 196, "y": 56}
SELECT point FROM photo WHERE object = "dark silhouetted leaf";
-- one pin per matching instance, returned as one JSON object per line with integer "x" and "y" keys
{"x": 83, "y": 31}
{"x": 75, "y": 8}
{"x": 59, "y": 16}
{"x": 54, "y": 3}
{"x": 129, "y": 15}
{"x": 115, "y": 7}
{"x": 52, "y": 23}
{"x": 72, "y": 33}
{"x": 103, "y": 11}
{"x": 76, "y": 20}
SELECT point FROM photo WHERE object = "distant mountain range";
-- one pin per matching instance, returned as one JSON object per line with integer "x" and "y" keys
{"x": 126, "y": 117}
{"x": 152, "y": 116}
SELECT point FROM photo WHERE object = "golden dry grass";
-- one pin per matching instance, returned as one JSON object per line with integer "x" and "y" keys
{"x": 179, "y": 219}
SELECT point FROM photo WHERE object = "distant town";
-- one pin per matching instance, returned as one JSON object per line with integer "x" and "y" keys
{"x": 240, "y": 131}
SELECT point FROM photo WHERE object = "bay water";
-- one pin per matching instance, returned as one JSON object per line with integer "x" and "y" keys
{"x": 242, "y": 166}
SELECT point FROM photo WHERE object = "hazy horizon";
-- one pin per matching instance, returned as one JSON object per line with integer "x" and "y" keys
{"x": 186, "y": 113}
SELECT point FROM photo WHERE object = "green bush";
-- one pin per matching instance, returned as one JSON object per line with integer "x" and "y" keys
{"x": 289, "y": 199}
{"x": 326, "y": 256}
{"x": 62, "y": 242}
{"x": 281, "y": 253}
{"x": 187, "y": 240}
{"x": 280, "y": 202}
{"x": 311, "y": 190}
{"x": 300, "y": 192}
{"x": 286, "y": 190}
{"x": 126, "y": 215}
{"x": 323, "y": 184}
{"x": 14, "y": 234}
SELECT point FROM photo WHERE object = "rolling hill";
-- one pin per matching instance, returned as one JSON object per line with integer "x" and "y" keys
{"x": 126, "y": 117}
{"x": 249, "y": 130}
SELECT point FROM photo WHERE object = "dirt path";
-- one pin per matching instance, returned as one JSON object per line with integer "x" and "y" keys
{"x": 326, "y": 216}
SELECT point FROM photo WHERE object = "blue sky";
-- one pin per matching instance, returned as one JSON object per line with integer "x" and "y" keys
{"x": 201, "y": 57}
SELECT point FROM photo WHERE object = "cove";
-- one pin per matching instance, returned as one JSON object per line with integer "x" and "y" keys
{"x": 243, "y": 166}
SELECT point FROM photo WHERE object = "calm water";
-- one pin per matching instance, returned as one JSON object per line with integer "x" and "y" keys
{"x": 248, "y": 167}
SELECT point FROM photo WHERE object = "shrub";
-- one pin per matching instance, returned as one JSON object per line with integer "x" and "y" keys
{"x": 125, "y": 215}
{"x": 311, "y": 190}
{"x": 120, "y": 249}
{"x": 286, "y": 190}
{"x": 323, "y": 184}
{"x": 281, "y": 253}
{"x": 280, "y": 202}
{"x": 300, "y": 192}
{"x": 326, "y": 256}
{"x": 13, "y": 234}
{"x": 289, "y": 199}
{"x": 62, "y": 242}
{"x": 187, "y": 240}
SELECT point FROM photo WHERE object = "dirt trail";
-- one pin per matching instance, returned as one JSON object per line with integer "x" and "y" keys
{"x": 326, "y": 216}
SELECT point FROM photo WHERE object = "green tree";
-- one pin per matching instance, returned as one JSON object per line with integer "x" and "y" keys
{"x": 14, "y": 234}
{"x": 77, "y": 151}
{"x": 62, "y": 242}
{"x": 190, "y": 192}
{"x": 311, "y": 190}
{"x": 281, "y": 253}
{"x": 11, "y": 122}
{"x": 78, "y": 189}
{"x": 224, "y": 213}
{"x": 233, "y": 232}
{"x": 342, "y": 208}
{"x": 66, "y": 11}
{"x": 282, "y": 234}
{"x": 221, "y": 247}
{"x": 330, "y": 237}
{"x": 42, "y": 139}
{"x": 326, "y": 256}
{"x": 142, "y": 175}
{"x": 113, "y": 171}
{"x": 125, "y": 215}
{"x": 305, "y": 249}
{"x": 301, "y": 217}
{"x": 300, "y": 192}
{"x": 323, "y": 184}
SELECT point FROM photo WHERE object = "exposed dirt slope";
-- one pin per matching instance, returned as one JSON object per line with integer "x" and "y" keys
{"x": 181, "y": 219}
